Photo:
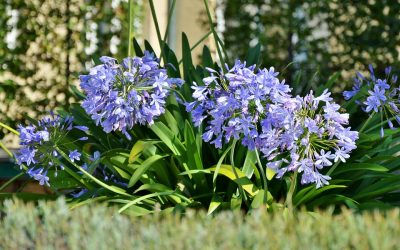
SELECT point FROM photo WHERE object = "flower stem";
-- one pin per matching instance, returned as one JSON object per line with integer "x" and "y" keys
{"x": 11, "y": 181}
{"x": 170, "y": 12}
{"x": 111, "y": 188}
{"x": 160, "y": 41}
{"x": 366, "y": 122}
{"x": 6, "y": 150}
{"x": 333, "y": 168}
{"x": 215, "y": 35}
{"x": 177, "y": 92}
{"x": 9, "y": 128}
{"x": 262, "y": 172}
{"x": 131, "y": 34}
{"x": 234, "y": 169}
{"x": 292, "y": 188}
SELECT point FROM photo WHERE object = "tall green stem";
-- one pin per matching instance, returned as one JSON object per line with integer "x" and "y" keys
{"x": 292, "y": 188}
{"x": 6, "y": 150}
{"x": 198, "y": 43}
{"x": 333, "y": 168}
{"x": 154, "y": 15}
{"x": 10, "y": 181}
{"x": 262, "y": 172}
{"x": 9, "y": 128}
{"x": 170, "y": 12}
{"x": 15, "y": 177}
{"x": 131, "y": 34}
{"x": 366, "y": 122}
{"x": 221, "y": 58}
{"x": 232, "y": 158}
{"x": 108, "y": 187}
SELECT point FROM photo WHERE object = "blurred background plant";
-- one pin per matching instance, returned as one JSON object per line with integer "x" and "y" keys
{"x": 44, "y": 45}
{"x": 318, "y": 38}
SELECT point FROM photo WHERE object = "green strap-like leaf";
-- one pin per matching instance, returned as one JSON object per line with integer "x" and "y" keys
{"x": 169, "y": 138}
{"x": 314, "y": 192}
{"x": 253, "y": 55}
{"x": 383, "y": 186}
{"x": 219, "y": 164}
{"x": 144, "y": 197}
{"x": 226, "y": 170}
{"x": 359, "y": 166}
{"x": 216, "y": 201}
{"x": 138, "y": 148}
{"x": 143, "y": 168}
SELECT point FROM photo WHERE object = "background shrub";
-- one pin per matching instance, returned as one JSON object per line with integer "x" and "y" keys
{"x": 318, "y": 37}
{"x": 53, "y": 226}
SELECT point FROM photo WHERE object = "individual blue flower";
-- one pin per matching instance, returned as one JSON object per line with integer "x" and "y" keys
{"x": 381, "y": 84}
{"x": 348, "y": 94}
{"x": 74, "y": 155}
{"x": 118, "y": 96}
{"x": 42, "y": 178}
{"x": 381, "y": 95}
{"x": 372, "y": 103}
{"x": 40, "y": 144}
{"x": 376, "y": 99}
{"x": 96, "y": 156}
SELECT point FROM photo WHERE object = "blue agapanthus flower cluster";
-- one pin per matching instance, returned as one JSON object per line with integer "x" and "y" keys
{"x": 40, "y": 144}
{"x": 118, "y": 96}
{"x": 293, "y": 133}
{"x": 234, "y": 102}
{"x": 315, "y": 137}
{"x": 377, "y": 95}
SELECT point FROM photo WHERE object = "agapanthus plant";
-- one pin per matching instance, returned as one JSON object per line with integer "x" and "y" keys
{"x": 118, "y": 96}
{"x": 166, "y": 166}
{"x": 315, "y": 137}
{"x": 234, "y": 103}
{"x": 377, "y": 95}
{"x": 41, "y": 146}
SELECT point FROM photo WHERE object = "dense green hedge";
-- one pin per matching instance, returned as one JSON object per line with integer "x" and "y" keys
{"x": 54, "y": 226}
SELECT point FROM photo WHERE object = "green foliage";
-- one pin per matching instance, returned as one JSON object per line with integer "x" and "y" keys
{"x": 54, "y": 226}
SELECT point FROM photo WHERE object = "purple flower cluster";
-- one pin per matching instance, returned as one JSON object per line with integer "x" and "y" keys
{"x": 39, "y": 146}
{"x": 121, "y": 95}
{"x": 234, "y": 102}
{"x": 377, "y": 95}
{"x": 293, "y": 133}
{"x": 315, "y": 138}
